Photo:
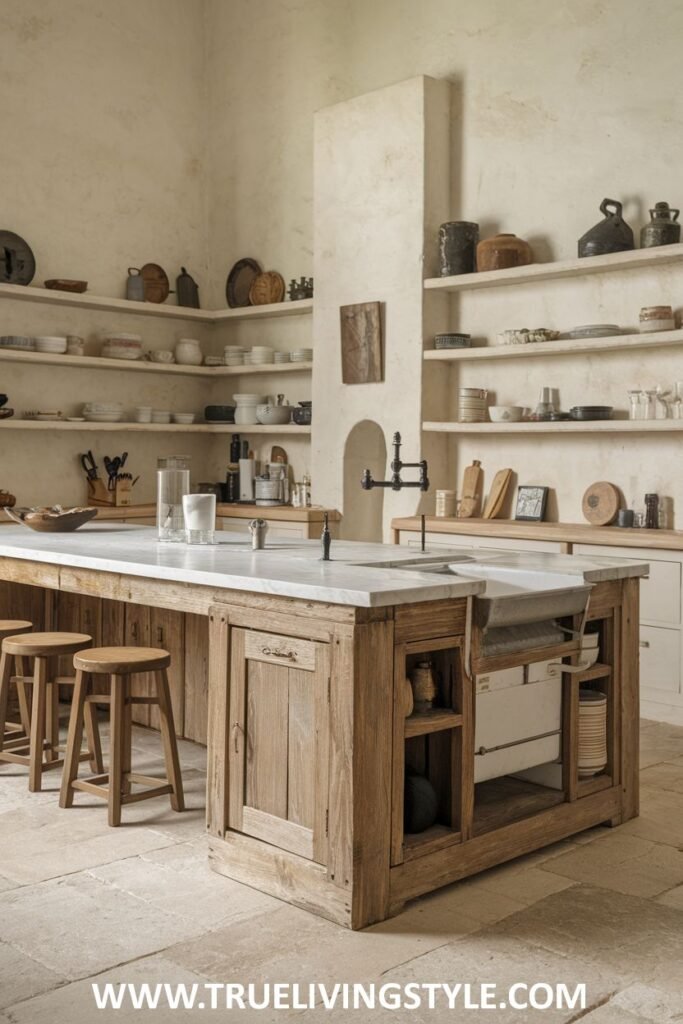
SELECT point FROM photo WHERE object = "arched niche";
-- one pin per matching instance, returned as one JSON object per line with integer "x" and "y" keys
{"x": 365, "y": 448}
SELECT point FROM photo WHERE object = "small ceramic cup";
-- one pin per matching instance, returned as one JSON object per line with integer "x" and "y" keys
{"x": 199, "y": 511}
{"x": 143, "y": 414}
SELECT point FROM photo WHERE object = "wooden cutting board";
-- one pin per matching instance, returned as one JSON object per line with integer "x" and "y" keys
{"x": 267, "y": 288}
{"x": 472, "y": 480}
{"x": 601, "y": 503}
{"x": 497, "y": 494}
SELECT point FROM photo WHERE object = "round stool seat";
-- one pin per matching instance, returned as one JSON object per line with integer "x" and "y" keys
{"x": 45, "y": 645}
{"x": 122, "y": 660}
{"x": 8, "y": 627}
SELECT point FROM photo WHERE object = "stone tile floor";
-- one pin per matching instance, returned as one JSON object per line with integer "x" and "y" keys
{"x": 80, "y": 902}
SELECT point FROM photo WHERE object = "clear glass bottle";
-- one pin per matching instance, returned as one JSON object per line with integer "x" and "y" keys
{"x": 635, "y": 410}
{"x": 173, "y": 483}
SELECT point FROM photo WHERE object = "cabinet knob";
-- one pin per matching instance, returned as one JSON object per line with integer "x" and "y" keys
{"x": 274, "y": 652}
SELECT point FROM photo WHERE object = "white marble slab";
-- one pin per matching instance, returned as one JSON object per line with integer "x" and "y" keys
{"x": 360, "y": 574}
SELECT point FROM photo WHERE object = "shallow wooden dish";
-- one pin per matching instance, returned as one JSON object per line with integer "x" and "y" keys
{"x": 52, "y": 519}
{"x": 267, "y": 288}
{"x": 65, "y": 284}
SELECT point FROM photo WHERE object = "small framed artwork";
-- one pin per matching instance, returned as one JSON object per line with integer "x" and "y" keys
{"x": 531, "y": 503}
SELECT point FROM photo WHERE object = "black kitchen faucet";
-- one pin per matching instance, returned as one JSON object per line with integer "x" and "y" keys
{"x": 396, "y": 483}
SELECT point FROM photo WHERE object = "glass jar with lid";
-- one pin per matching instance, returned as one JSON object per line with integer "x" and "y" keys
{"x": 173, "y": 483}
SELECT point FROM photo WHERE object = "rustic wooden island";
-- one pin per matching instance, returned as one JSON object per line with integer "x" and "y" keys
{"x": 299, "y": 667}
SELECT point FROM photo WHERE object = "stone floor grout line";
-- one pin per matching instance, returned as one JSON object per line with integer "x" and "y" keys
{"x": 582, "y": 1014}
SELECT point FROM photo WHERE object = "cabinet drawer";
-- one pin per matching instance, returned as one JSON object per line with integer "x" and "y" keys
{"x": 517, "y": 713}
{"x": 462, "y": 540}
{"x": 660, "y": 591}
{"x": 279, "y": 650}
{"x": 660, "y": 658}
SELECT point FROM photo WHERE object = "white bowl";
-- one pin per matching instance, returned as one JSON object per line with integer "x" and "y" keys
{"x": 183, "y": 417}
{"x": 160, "y": 416}
{"x": 51, "y": 344}
{"x": 506, "y": 413}
{"x": 273, "y": 414}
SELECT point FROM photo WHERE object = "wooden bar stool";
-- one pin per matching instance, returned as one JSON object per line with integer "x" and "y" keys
{"x": 16, "y": 733}
{"x": 120, "y": 664}
{"x": 43, "y": 739}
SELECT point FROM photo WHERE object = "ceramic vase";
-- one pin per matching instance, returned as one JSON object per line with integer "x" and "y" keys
{"x": 502, "y": 252}
{"x": 188, "y": 352}
{"x": 458, "y": 247}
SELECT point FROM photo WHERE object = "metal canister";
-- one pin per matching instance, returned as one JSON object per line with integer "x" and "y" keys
{"x": 458, "y": 247}
{"x": 258, "y": 529}
{"x": 663, "y": 228}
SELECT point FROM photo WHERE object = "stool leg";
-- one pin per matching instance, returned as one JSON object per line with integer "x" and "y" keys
{"x": 167, "y": 727}
{"x": 51, "y": 720}
{"x": 74, "y": 740}
{"x": 35, "y": 771}
{"x": 5, "y": 677}
{"x": 127, "y": 758}
{"x": 92, "y": 734}
{"x": 22, "y": 696}
{"x": 116, "y": 742}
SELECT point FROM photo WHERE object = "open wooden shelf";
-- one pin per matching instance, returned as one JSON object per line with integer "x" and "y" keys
{"x": 144, "y": 366}
{"x": 109, "y": 304}
{"x": 633, "y": 260}
{"x": 596, "y": 784}
{"x": 563, "y": 428}
{"x": 156, "y": 428}
{"x": 435, "y": 720}
{"x": 596, "y": 671}
{"x": 499, "y": 802}
{"x": 418, "y": 844}
{"x": 562, "y": 347}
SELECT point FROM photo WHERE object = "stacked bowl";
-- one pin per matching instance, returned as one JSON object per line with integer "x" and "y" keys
{"x": 472, "y": 405}
{"x": 119, "y": 345}
{"x": 103, "y": 412}
{"x": 234, "y": 355}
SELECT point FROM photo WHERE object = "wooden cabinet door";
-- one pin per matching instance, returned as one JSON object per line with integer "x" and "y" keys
{"x": 137, "y": 633}
{"x": 279, "y": 741}
{"x": 76, "y": 613}
{"x": 167, "y": 629}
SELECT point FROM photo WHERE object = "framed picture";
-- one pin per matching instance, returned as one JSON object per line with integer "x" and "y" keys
{"x": 531, "y": 503}
{"x": 361, "y": 343}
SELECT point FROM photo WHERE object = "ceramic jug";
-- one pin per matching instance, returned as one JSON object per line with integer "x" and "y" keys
{"x": 663, "y": 228}
{"x": 188, "y": 352}
{"x": 135, "y": 286}
{"x": 612, "y": 234}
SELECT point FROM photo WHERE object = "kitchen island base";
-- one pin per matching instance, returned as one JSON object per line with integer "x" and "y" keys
{"x": 309, "y": 736}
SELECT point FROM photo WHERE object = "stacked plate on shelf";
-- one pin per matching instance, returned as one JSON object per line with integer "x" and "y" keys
{"x": 472, "y": 405}
{"x": 103, "y": 412}
{"x": 122, "y": 346}
{"x": 301, "y": 355}
{"x": 17, "y": 341}
{"x": 234, "y": 355}
{"x": 49, "y": 343}
{"x": 260, "y": 355}
{"x": 281, "y": 357}
{"x": 592, "y": 733}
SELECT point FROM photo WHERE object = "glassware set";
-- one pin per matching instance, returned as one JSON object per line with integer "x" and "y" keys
{"x": 656, "y": 403}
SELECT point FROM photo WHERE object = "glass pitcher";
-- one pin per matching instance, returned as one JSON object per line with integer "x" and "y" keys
{"x": 173, "y": 483}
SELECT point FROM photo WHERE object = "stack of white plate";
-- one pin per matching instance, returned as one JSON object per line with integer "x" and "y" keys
{"x": 48, "y": 343}
{"x": 259, "y": 355}
{"x": 214, "y": 361}
{"x": 472, "y": 405}
{"x": 592, "y": 733}
{"x": 246, "y": 403}
{"x": 281, "y": 357}
{"x": 122, "y": 346}
{"x": 234, "y": 355}
{"x": 19, "y": 342}
{"x": 301, "y": 355}
{"x": 103, "y": 412}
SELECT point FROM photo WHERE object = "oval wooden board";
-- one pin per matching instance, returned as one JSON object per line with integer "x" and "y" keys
{"x": 267, "y": 288}
{"x": 601, "y": 503}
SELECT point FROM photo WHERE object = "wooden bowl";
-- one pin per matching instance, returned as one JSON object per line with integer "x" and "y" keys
{"x": 54, "y": 519}
{"x": 64, "y": 284}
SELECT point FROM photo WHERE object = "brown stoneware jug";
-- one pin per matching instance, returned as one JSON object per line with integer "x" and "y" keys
{"x": 502, "y": 252}
{"x": 611, "y": 234}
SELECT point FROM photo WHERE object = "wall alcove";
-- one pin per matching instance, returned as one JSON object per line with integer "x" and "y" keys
{"x": 363, "y": 510}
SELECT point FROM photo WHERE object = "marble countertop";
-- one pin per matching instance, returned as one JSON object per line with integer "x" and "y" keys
{"x": 359, "y": 573}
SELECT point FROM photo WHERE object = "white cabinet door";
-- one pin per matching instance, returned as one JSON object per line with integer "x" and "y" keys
{"x": 660, "y": 590}
{"x": 660, "y": 658}
{"x": 436, "y": 541}
{"x": 284, "y": 530}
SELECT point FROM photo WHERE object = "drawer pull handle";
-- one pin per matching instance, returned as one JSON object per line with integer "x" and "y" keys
{"x": 644, "y": 643}
{"x": 273, "y": 652}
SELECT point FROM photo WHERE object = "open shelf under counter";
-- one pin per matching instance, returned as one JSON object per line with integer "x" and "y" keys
{"x": 562, "y": 347}
{"x": 436, "y": 720}
{"x": 561, "y": 427}
{"x": 146, "y": 366}
{"x": 634, "y": 260}
{"x": 156, "y": 428}
{"x": 84, "y": 300}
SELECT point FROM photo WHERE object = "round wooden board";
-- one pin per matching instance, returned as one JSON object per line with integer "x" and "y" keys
{"x": 240, "y": 279}
{"x": 601, "y": 503}
{"x": 155, "y": 281}
{"x": 268, "y": 287}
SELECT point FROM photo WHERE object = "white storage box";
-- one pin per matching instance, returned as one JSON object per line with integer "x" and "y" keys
{"x": 500, "y": 680}
{"x": 541, "y": 670}
{"x": 513, "y": 760}
{"x": 516, "y": 728}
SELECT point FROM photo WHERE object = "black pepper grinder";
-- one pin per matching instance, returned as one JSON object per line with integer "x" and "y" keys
{"x": 651, "y": 511}
{"x": 326, "y": 539}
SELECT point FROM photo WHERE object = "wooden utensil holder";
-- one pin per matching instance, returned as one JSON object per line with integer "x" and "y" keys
{"x": 100, "y": 495}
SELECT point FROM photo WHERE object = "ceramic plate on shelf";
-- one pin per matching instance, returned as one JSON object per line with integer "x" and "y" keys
{"x": 17, "y": 262}
{"x": 595, "y": 331}
{"x": 240, "y": 279}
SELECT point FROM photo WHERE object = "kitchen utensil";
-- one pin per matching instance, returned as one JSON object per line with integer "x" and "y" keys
{"x": 600, "y": 503}
{"x": 161, "y": 416}
{"x": 506, "y": 413}
{"x": 162, "y": 355}
{"x": 452, "y": 340}
{"x": 17, "y": 262}
{"x": 219, "y": 413}
{"x": 7, "y": 500}
{"x": 75, "y": 346}
{"x": 592, "y": 754}
{"x": 3, "y": 400}
{"x": 155, "y": 281}
{"x": 420, "y": 803}
{"x": 663, "y": 228}
{"x": 591, "y": 412}
{"x": 64, "y": 284}
{"x": 89, "y": 465}
{"x": 503, "y": 251}
{"x": 458, "y": 247}
{"x": 19, "y": 342}
{"x": 301, "y": 289}
{"x": 471, "y": 490}
{"x": 267, "y": 288}
{"x": 143, "y": 414}
{"x": 52, "y": 519}
{"x": 612, "y": 234}
{"x": 497, "y": 494}
{"x": 267, "y": 491}
{"x": 246, "y": 405}
{"x": 135, "y": 286}
{"x": 187, "y": 291}
{"x": 43, "y": 416}
{"x": 240, "y": 279}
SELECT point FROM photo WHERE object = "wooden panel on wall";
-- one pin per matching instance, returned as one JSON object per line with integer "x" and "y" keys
{"x": 267, "y": 738}
{"x": 137, "y": 634}
{"x": 196, "y": 678}
{"x": 19, "y": 601}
